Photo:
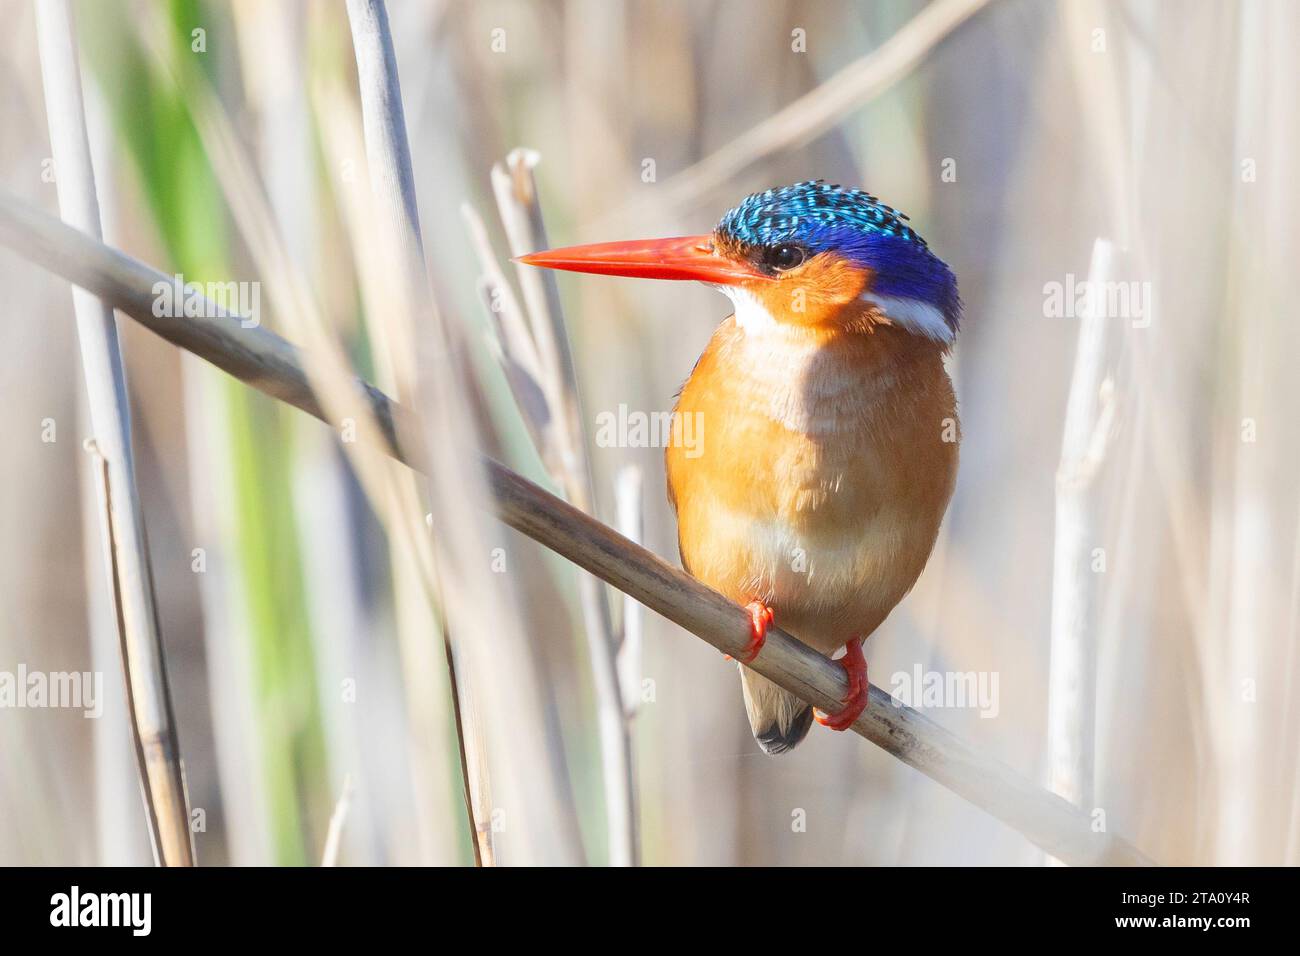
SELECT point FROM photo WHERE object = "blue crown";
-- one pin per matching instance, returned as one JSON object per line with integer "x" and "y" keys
{"x": 826, "y": 217}
{"x": 804, "y": 211}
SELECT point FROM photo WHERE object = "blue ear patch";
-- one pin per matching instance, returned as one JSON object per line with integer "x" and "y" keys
{"x": 903, "y": 270}
{"x": 824, "y": 217}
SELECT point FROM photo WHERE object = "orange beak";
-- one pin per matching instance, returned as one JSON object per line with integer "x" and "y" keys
{"x": 684, "y": 257}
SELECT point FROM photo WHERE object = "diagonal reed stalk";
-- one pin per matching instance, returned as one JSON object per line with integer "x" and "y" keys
{"x": 131, "y": 577}
{"x": 274, "y": 366}
{"x": 820, "y": 109}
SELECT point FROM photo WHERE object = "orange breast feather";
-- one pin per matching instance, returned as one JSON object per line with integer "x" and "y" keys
{"x": 823, "y": 464}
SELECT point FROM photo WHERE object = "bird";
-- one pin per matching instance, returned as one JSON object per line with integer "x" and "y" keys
{"x": 828, "y": 422}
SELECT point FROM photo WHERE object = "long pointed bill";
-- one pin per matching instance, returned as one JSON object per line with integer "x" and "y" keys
{"x": 684, "y": 257}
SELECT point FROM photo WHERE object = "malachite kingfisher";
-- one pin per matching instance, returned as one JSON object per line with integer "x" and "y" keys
{"x": 830, "y": 449}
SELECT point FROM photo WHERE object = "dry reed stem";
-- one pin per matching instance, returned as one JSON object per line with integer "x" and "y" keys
{"x": 543, "y": 339}
{"x": 1072, "y": 675}
{"x": 149, "y": 699}
{"x": 505, "y": 674}
{"x": 392, "y": 493}
{"x": 334, "y": 836}
{"x": 630, "y": 511}
{"x": 397, "y": 227}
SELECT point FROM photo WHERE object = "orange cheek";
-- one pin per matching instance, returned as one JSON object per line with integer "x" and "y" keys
{"x": 816, "y": 292}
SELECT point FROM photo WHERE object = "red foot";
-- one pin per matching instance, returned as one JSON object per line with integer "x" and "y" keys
{"x": 855, "y": 665}
{"x": 760, "y": 619}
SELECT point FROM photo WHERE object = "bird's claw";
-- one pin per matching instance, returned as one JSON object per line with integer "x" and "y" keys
{"x": 760, "y": 619}
{"x": 855, "y": 666}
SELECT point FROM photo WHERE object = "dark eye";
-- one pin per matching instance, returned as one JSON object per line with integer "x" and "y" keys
{"x": 785, "y": 256}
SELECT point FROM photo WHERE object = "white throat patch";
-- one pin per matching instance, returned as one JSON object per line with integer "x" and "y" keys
{"x": 751, "y": 315}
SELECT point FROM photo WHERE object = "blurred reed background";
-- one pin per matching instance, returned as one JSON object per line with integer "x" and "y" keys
{"x": 303, "y": 637}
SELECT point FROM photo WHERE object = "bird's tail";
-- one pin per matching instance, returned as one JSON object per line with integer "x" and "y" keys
{"x": 778, "y": 719}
